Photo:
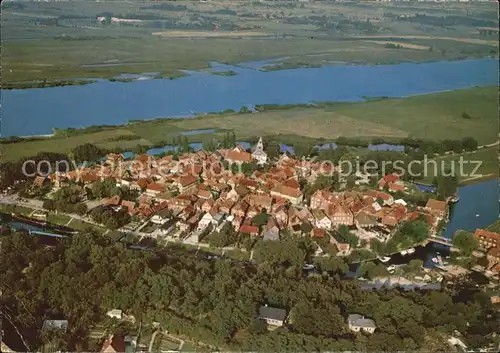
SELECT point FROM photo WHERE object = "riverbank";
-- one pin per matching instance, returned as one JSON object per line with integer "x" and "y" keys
{"x": 59, "y": 219}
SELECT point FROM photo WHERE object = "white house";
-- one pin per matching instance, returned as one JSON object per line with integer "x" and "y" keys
{"x": 272, "y": 316}
{"x": 205, "y": 221}
{"x": 359, "y": 323}
{"x": 321, "y": 220}
{"x": 115, "y": 313}
{"x": 161, "y": 217}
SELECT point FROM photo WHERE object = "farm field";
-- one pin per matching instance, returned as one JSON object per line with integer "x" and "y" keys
{"x": 45, "y": 43}
{"x": 433, "y": 116}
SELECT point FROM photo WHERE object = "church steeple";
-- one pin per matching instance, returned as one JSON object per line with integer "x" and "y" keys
{"x": 260, "y": 145}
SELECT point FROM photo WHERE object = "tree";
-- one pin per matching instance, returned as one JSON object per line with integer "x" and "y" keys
{"x": 323, "y": 319}
{"x": 260, "y": 219}
{"x": 349, "y": 237}
{"x": 185, "y": 144}
{"x": 447, "y": 184}
{"x": 416, "y": 230}
{"x": 335, "y": 264}
{"x": 87, "y": 153}
{"x": 371, "y": 271}
{"x": 81, "y": 209}
{"x": 414, "y": 266}
{"x": 465, "y": 241}
{"x": 272, "y": 149}
{"x": 469, "y": 144}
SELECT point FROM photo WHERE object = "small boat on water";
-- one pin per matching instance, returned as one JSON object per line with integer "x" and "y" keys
{"x": 404, "y": 252}
{"x": 384, "y": 259}
{"x": 411, "y": 250}
{"x": 455, "y": 199}
{"x": 477, "y": 215}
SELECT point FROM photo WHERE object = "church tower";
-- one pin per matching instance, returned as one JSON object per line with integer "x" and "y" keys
{"x": 260, "y": 145}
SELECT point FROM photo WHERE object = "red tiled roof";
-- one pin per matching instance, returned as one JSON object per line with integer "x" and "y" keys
{"x": 292, "y": 183}
{"x": 116, "y": 342}
{"x": 389, "y": 221}
{"x": 156, "y": 187}
{"x": 130, "y": 205}
{"x": 286, "y": 190}
{"x": 391, "y": 178}
{"x": 318, "y": 232}
{"x": 249, "y": 229}
{"x": 187, "y": 180}
{"x": 239, "y": 156}
{"x": 204, "y": 194}
{"x": 142, "y": 182}
{"x": 436, "y": 205}
{"x": 396, "y": 187}
{"x": 487, "y": 235}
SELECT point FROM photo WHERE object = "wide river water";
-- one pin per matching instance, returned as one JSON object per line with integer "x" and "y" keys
{"x": 37, "y": 111}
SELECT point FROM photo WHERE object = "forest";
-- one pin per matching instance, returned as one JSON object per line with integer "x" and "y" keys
{"x": 216, "y": 302}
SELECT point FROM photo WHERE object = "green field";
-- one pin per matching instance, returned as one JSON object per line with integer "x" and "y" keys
{"x": 43, "y": 41}
{"x": 25, "y": 211}
{"x": 432, "y": 116}
{"x": 488, "y": 169}
{"x": 166, "y": 344}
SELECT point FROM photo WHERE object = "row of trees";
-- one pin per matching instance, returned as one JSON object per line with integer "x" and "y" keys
{"x": 214, "y": 301}
{"x": 109, "y": 217}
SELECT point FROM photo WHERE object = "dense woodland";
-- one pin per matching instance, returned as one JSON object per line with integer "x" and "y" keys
{"x": 216, "y": 301}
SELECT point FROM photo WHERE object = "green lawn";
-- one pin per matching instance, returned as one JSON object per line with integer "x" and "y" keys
{"x": 25, "y": 211}
{"x": 167, "y": 344}
{"x": 80, "y": 225}
{"x": 487, "y": 170}
{"x": 59, "y": 219}
{"x": 189, "y": 347}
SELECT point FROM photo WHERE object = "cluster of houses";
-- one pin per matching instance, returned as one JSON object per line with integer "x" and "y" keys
{"x": 489, "y": 242}
{"x": 198, "y": 192}
{"x": 276, "y": 317}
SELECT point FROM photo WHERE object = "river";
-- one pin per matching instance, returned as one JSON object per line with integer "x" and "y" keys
{"x": 36, "y": 111}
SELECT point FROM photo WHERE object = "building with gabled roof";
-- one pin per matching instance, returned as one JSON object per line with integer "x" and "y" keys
{"x": 359, "y": 323}
{"x": 114, "y": 344}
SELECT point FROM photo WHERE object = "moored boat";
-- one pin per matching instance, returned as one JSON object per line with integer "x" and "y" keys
{"x": 384, "y": 259}
{"x": 411, "y": 250}
{"x": 404, "y": 252}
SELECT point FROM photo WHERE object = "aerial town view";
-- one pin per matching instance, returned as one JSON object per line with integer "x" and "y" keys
{"x": 249, "y": 176}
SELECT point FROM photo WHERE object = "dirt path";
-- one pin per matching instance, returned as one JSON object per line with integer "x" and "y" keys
{"x": 456, "y": 39}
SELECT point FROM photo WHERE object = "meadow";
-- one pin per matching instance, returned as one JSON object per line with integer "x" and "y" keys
{"x": 43, "y": 42}
{"x": 435, "y": 116}
{"x": 488, "y": 169}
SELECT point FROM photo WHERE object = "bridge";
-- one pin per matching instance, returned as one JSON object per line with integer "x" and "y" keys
{"x": 440, "y": 240}
{"x": 36, "y": 232}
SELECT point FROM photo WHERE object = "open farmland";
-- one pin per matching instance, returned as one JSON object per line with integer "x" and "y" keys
{"x": 43, "y": 42}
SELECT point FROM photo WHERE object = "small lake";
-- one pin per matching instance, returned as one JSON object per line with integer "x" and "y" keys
{"x": 36, "y": 111}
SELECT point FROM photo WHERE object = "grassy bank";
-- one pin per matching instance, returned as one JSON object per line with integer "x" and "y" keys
{"x": 488, "y": 169}
{"x": 432, "y": 116}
